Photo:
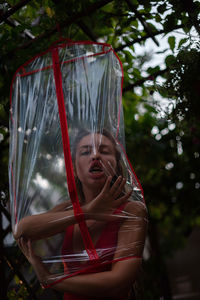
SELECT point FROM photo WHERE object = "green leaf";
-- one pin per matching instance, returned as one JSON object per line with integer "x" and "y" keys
{"x": 50, "y": 12}
{"x": 170, "y": 60}
{"x": 135, "y": 2}
{"x": 162, "y": 8}
{"x": 136, "y": 73}
{"x": 128, "y": 56}
{"x": 182, "y": 41}
{"x": 17, "y": 280}
{"x": 171, "y": 22}
{"x": 152, "y": 71}
{"x": 151, "y": 26}
{"x": 158, "y": 18}
{"x": 172, "y": 42}
{"x": 134, "y": 23}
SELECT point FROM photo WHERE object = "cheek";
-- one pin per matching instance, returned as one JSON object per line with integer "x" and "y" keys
{"x": 79, "y": 168}
{"x": 76, "y": 167}
{"x": 115, "y": 164}
{"x": 112, "y": 161}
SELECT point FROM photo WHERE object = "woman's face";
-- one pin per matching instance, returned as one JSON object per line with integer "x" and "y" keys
{"x": 95, "y": 159}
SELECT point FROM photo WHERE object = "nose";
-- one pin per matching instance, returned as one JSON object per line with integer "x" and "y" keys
{"x": 95, "y": 154}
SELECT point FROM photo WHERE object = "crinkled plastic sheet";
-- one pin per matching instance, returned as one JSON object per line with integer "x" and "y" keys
{"x": 71, "y": 90}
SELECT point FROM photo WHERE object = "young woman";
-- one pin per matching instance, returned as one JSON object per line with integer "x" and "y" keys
{"x": 105, "y": 205}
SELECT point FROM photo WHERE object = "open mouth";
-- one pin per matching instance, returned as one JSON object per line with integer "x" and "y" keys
{"x": 96, "y": 168}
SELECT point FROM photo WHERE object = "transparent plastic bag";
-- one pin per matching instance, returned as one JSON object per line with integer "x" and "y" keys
{"x": 68, "y": 170}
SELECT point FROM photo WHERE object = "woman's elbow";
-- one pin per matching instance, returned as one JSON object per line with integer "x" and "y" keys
{"x": 17, "y": 232}
{"x": 20, "y": 229}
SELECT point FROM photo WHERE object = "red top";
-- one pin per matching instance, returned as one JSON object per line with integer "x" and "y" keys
{"x": 105, "y": 247}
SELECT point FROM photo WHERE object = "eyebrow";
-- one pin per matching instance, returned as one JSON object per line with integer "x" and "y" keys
{"x": 90, "y": 146}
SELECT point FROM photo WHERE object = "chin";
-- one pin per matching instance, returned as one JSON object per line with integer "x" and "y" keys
{"x": 98, "y": 182}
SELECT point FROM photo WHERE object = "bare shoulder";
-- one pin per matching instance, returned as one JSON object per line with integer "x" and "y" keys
{"x": 136, "y": 208}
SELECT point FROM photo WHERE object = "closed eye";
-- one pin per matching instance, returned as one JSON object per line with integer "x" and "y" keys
{"x": 105, "y": 152}
{"x": 85, "y": 153}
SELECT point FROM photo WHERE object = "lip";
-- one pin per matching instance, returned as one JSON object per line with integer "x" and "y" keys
{"x": 96, "y": 175}
{"x": 96, "y": 164}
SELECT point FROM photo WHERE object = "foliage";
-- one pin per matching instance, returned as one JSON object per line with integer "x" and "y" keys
{"x": 19, "y": 293}
{"x": 164, "y": 151}
{"x": 183, "y": 83}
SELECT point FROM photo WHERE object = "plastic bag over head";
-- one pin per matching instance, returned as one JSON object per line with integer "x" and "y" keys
{"x": 68, "y": 170}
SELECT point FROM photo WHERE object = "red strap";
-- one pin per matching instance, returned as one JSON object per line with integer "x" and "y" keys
{"x": 68, "y": 160}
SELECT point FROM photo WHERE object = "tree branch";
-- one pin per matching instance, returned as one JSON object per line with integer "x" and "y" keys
{"x": 14, "y": 23}
{"x": 141, "y": 81}
{"x": 190, "y": 7}
{"x": 86, "y": 30}
{"x": 140, "y": 39}
{"x": 12, "y": 10}
{"x": 143, "y": 22}
{"x": 73, "y": 19}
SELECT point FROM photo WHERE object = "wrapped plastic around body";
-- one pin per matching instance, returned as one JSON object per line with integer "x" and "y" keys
{"x": 73, "y": 191}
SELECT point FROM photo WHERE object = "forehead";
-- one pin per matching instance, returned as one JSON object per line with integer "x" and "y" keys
{"x": 95, "y": 139}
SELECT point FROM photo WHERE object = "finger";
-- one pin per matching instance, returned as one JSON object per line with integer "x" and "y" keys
{"x": 116, "y": 185}
{"x": 29, "y": 244}
{"x": 107, "y": 167}
{"x": 106, "y": 171}
{"x": 19, "y": 243}
{"x": 113, "y": 180}
{"x": 124, "y": 198}
{"x": 106, "y": 185}
{"x": 24, "y": 242}
{"x": 119, "y": 189}
{"x": 30, "y": 247}
{"x": 23, "y": 245}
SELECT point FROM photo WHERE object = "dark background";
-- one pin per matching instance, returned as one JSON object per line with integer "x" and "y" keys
{"x": 163, "y": 142}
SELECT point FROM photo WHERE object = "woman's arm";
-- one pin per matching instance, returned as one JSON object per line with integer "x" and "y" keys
{"x": 116, "y": 282}
{"x": 47, "y": 224}
{"x": 56, "y": 220}
{"x": 113, "y": 284}
{"x": 43, "y": 225}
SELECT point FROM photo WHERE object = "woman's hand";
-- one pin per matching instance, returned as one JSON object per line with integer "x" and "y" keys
{"x": 109, "y": 199}
{"x": 27, "y": 249}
